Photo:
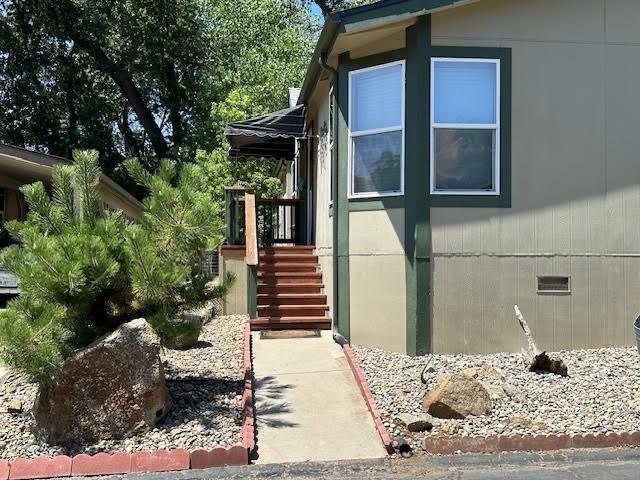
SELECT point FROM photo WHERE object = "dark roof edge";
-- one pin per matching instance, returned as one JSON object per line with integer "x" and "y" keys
{"x": 361, "y": 18}
{"x": 325, "y": 42}
{"x": 50, "y": 161}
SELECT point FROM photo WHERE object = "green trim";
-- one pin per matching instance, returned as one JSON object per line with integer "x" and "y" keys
{"x": 416, "y": 184}
{"x": 341, "y": 284}
{"x": 377, "y": 59}
{"x": 382, "y": 203}
{"x": 504, "y": 199}
{"x": 365, "y": 17}
{"x": 385, "y": 12}
{"x": 252, "y": 291}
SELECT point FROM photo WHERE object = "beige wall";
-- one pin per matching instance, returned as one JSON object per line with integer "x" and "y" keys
{"x": 377, "y": 279}
{"x": 575, "y": 182}
{"x": 319, "y": 114}
{"x": 235, "y": 302}
{"x": 117, "y": 202}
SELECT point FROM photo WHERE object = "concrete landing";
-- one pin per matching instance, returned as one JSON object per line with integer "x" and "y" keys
{"x": 308, "y": 406}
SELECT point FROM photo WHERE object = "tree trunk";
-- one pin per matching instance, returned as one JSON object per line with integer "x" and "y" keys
{"x": 68, "y": 17}
{"x": 173, "y": 100}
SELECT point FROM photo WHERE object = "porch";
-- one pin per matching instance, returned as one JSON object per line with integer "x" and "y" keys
{"x": 278, "y": 279}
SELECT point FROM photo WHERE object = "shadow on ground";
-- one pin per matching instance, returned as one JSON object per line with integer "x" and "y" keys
{"x": 269, "y": 404}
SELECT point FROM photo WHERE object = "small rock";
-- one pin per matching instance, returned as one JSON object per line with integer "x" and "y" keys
{"x": 15, "y": 406}
{"x": 415, "y": 423}
{"x": 492, "y": 372}
{"x": 513, "y": 393}
{"x": 470, "y": 372}
{"x": 496, "y": 392}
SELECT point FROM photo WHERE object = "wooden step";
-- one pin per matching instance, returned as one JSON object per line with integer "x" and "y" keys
{"x": 292, "y": 310}
{"x": 288, "y": 258}
{"x": 291, "y": 322}
{"x": 300, "y": 288}
{"x": 277, "y": 278}
{"x": 287, "y": 267}
{"x": 270, "y": 299}
{"x": 300, "y": 249}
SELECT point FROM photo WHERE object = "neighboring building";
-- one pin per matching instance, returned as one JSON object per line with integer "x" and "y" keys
{"x": 482, "y": 154}
{"x": 19, "y": 167}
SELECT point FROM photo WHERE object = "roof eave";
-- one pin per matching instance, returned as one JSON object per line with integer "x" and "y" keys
{"x": 365, "y": 17}
{"x": 327, "y": 38}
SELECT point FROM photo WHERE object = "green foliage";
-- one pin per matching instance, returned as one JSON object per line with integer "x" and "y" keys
{"x": 113, "y": 75}
{"x": 84, "y": 271}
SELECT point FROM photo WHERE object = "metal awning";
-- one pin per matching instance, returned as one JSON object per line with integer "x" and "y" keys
{"x": 272, "y": 135}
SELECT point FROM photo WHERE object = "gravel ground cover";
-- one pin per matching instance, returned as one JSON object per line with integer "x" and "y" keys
{"x": 206, "y": 385}
{"x": 601, "y": 393}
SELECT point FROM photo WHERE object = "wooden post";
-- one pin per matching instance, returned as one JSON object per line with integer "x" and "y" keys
{"x": 250, "y": 229}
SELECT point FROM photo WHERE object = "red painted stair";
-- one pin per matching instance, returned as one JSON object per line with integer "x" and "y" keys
{"x": 290, "y": 290}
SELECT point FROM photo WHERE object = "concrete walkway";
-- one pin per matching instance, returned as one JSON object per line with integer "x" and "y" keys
{"x": 308, "y": 406}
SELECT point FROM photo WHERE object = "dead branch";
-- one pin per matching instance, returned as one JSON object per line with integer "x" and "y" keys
{"x": 538, "y": 361}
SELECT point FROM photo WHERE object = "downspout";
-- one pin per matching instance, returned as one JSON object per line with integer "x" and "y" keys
{"x": 322, "y": 61}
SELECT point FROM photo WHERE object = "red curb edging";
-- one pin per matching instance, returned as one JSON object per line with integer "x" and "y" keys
{"x": 361, "y": 381}
{"x": 148, "y": 461}
{"x": 442, "y": 445}
{"x": 49, "y": 467}
{"x": 101, "y": 464}
{"x": 248, "y": 419}
{"x": 4, "y": 470}
{"x": 161, "y": 460}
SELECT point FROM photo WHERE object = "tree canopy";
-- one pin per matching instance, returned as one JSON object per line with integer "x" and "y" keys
{"x": 144, "y": 78}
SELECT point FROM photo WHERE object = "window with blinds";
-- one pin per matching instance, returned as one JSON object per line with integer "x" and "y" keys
{"x": 376, "y": 130}
{"x": 465, "y": 127}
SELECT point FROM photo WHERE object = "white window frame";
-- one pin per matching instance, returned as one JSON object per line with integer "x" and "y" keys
{"x": 352, "y": 135}
{"x": 488, "y": 126}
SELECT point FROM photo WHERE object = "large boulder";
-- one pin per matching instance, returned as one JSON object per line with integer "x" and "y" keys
{"x": 457, "y": 396}
{"x": 106, "y": 390}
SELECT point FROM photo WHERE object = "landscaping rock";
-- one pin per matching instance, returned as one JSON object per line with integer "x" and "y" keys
{"x": 470, "y": 372}
{"x": 457, "y": 396}
{"x": 416, "y": 423}
{"x": 492, "y": 372}
{"x": 513, "y": 393}
{"x": 600, "y": 396}
{"x": 106, "y": 390}
{"x": 496, "y": 392}
{"x": 525, "y": 423}
{"x": 15, "y": 406}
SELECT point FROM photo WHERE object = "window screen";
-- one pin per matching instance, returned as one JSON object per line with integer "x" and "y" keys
{"x": 465, "y": 128}
{"x": 376, "y": 130}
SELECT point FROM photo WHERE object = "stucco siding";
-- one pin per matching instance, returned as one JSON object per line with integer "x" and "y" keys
{"x": 235, "y": 302}
{"x": 575, "y": 182}
{"x": 322, "y": 218}
{"x": 377, "y": 293}
{"x": 377, "y": 279}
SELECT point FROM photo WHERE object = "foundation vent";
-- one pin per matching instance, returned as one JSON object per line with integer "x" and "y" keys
{"x": 554, "y": 284}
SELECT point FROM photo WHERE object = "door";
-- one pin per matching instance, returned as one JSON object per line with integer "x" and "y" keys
{"x": 310, "y": 187}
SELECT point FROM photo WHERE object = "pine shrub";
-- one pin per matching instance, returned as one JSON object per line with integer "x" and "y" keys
{"x": 84, "y": 270}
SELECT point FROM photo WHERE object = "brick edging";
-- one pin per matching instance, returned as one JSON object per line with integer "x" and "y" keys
{"x": 363, "y": 386}
{"x": 533, "y": 443}
{"x": 148, "y": 461}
